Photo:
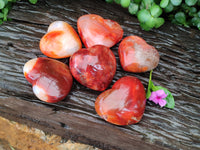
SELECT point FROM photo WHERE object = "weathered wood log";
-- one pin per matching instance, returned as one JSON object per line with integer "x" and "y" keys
{"x": 75, "y": 117}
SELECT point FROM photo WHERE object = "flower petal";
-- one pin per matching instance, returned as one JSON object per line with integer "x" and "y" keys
{"x": 161, "y": 94}
{"x": 154, "y": 97}
{"x": 162, "y": 102}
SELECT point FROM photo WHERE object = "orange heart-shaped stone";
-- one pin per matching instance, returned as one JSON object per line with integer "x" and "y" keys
{"x": 95, "y": 30}
{"x": 60, "y": 41}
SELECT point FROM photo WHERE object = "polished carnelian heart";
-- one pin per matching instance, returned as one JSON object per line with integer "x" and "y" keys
{"x": 137, "y": 56}
{"x": 124, "y": 104}
{"x": 51, "y": 79}
{"x": 94, "y": 67}
{"x": 60, "y": 41}
{"x": 94, "y": 30}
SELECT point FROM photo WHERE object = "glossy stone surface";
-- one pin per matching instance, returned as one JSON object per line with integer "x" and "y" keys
{"x": 93, "y": 67}
{"x": 51, "y": 79}
{"x": 136, "y": 55}
{"x": 95, "y": 30}
{"x": 124, "y": 104}
{"x": 60, "y": 41}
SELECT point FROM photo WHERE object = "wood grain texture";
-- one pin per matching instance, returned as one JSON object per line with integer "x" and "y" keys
{"x": 75, "y": 117}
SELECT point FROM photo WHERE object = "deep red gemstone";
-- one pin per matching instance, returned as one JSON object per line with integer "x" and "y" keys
{"x": 93, "y": 67}
{"x": 51, "y": 79}
{"x": 124, "y": 104}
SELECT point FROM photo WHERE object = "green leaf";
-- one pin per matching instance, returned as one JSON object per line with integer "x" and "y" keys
{"x": 198, "y": 3}
{"x": 176, "y": 2}
{"x": 137, "y": 1}
{"x": 125, "y": 3}
{"x": 5, "y": 11}
{"x": 174, "y": 21}
{"x": 192, "y": 11}
{"x": 141, "y": 6}
{"x": 1, "y": 21}
{"x": 147, "y": 3}
{"x": 169, "y": 98}
{"x": 33, "y": 1}
{"x": 169, "y": 8}
{"x": 157, "y": 1}
{"x": 143, "y": 15}
{"x": 198, "y": 25}
{"x": 144, "y": 26}
{"x": 109, "y": 1}
{"x": 191, "y": 2}
{"x": 155, "y": 10}
{"x": 6, "y": 2}
{"x": 5, "y": 14}
{"x": 164, "y": 3}
{"x": 150, "y": 85}
{"x": 133, "y": 8}
{"x": 159, "y": 22}
{"x": 180, "y": 17}
{"x": 198, "y": 13}
{"x": 195, "y": 21}
{"x": 1, "y": 15}
{"x": 2, "y": 4}
{"x": 118, "y": 1}
{"x": 150, "y": 22}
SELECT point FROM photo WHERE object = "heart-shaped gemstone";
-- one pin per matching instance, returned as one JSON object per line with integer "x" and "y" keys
{"x": 136, "y": 55}
{"x": 93, "y": 67}
{"x": 51, "y": 79}
{"x": 95, "y": 30}
{"x": 60, "y": 41}
{"x": 124, "y": 104}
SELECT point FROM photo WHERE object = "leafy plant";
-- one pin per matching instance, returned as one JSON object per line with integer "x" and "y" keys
{"x": 153, "y": 13}
{"x": 5, "y": 7}
{"x": 159, "y": 94}
{"x": 33, "y": 1}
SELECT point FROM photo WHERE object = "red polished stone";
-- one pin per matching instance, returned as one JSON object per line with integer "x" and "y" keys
{"x": 124, "y": 104}
{"x": 51, "y": 79}
{"x": 95, "y": 30}
{"x": 93, "y": 67}
{"x": 137, "y": 56}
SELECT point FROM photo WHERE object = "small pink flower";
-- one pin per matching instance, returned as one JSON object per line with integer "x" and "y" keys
{"x": 158, "y": 97}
